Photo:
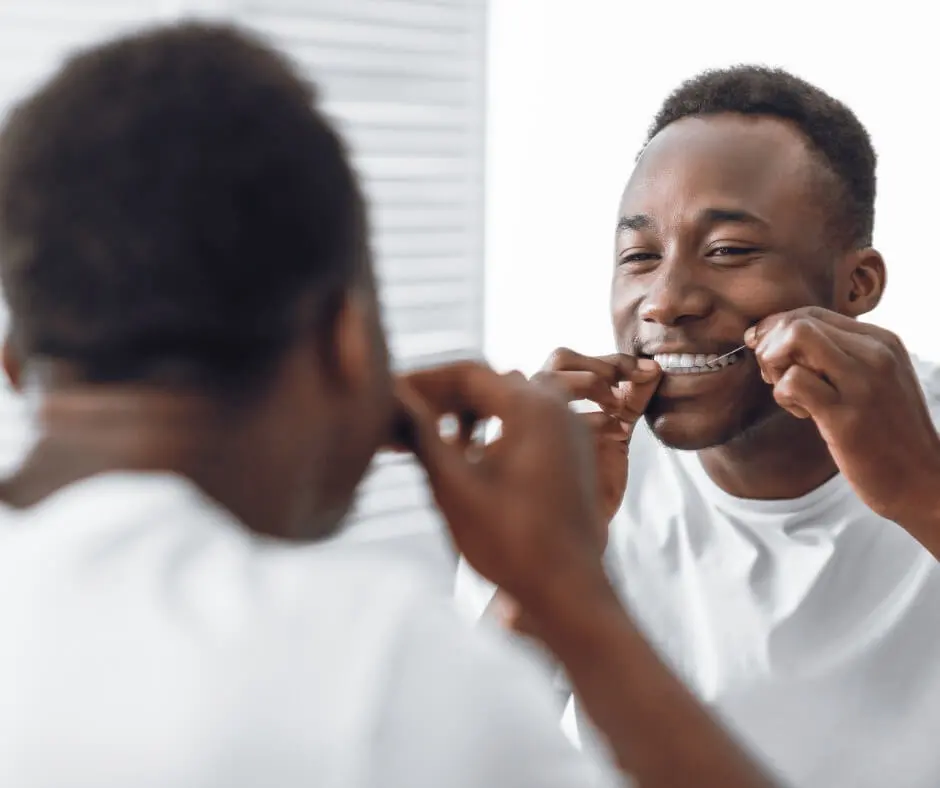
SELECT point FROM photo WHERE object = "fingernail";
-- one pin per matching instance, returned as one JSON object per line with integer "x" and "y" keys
{"x": 646, "y": 369}
{"x": 750, "y": 336}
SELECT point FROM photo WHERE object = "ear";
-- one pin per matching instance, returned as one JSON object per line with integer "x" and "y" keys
{"x": 360, "y": 355}
{"x": 11, "y": 365}
{"x": 861, "y": 282}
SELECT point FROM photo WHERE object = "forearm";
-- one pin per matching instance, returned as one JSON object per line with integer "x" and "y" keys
{"x": 924, "y": 526}
{"x": 917, "y": 508}
{"x": 659, "y": 733}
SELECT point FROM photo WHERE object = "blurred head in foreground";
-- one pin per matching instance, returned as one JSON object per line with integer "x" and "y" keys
{"x": 183, "y": 249}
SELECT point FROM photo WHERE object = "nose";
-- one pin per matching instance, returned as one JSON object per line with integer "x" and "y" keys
{"x": 675, "y": 297}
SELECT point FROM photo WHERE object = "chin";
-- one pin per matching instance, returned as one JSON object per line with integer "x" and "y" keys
{"x": 695, "y": 431}
{"x": 684, "y": 434}
{"x": 714, "y": 417}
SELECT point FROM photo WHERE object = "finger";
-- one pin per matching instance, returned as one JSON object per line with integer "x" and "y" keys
{"x": 465, "y": 388}
{"x": 472, "y": 428}
{"x": 804, "y": 394}
{"x": 834, "y": 319}
{"x": 580, "y": 385}
{"x": 451, "y": 475}
{"x": 635, "y": 396}
{"x": 807, "y": 342}
{"x": 606, "y": 427}
{"x": 639, "y": 370}
{"x": 611, "y": 368}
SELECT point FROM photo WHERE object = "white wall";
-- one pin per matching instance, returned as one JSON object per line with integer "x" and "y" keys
{"x": 573, "y": 87}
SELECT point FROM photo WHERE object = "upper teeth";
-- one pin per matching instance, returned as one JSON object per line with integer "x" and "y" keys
{"x": 688, "y": 362}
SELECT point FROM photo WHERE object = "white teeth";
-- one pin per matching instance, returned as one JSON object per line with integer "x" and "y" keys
{"x": 684, "y": 363}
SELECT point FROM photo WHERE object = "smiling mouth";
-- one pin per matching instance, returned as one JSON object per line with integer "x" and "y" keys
{"x": 695, "y": 363}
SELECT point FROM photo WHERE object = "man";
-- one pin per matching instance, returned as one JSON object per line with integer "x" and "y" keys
{"x": 789, "y": 459}
{"x": 183, "y": 250}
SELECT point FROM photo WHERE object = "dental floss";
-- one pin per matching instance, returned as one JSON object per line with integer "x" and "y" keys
{"x": 730, "y": 353}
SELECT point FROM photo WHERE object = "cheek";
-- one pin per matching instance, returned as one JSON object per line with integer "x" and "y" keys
{"x": 757, "y": 293}
{"x": 624, "y": 306}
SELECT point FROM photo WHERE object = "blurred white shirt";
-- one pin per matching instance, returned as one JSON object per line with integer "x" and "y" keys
{"x": 811, "y": 626}
{"x": 147, "y": 640}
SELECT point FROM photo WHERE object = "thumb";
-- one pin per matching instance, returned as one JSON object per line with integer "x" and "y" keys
{"x": 635, "y": 395}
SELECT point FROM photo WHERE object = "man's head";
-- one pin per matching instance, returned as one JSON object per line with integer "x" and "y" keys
{"x": 753, "y": 195}
{"x": 177, "y": 214}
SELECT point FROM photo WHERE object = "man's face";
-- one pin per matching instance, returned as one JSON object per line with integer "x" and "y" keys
{"x": 723, "y": 223}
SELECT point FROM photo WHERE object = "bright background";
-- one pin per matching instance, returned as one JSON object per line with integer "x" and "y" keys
{"x": 572, "y": 89}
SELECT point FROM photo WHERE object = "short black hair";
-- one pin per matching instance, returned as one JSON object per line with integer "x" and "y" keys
{"x": 832, "y": 129}
{"x": 167, "y": 200}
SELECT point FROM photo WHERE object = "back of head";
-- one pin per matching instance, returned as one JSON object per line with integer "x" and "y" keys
{"x": 181, "y": 231}
{"x": 167, "y": 201}
{"x": 832, "y": 130}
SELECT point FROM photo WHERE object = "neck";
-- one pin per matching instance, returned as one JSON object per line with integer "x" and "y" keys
{"x": 84, "y": 432}
{"x": 783, "y": 458}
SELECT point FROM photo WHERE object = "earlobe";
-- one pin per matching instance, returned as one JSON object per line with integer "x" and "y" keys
{"x": 866, "y": 282}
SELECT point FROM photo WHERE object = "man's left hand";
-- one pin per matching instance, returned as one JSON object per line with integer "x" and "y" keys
{"x": 857, "y": 382}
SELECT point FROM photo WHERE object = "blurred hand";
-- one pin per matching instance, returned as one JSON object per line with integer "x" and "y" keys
{"x": 522, "y": 510}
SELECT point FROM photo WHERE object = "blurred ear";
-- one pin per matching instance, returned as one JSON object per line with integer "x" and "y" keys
{"x": 360, "y": 357}
{"x": 11, "y": 364}
{"x": 860, "y": 282}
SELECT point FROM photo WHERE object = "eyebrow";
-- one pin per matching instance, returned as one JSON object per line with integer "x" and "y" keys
{"x": 641, "y": 221}
{"x": 722, "y": 215}
{"x": 638, "y": 221}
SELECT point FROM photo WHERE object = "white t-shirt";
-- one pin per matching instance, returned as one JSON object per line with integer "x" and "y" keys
{"x": 812, "y": 626}
{"x": 147, "y": 640}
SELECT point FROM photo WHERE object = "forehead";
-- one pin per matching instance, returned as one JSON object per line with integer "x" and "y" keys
{"x": 757, "y": 164}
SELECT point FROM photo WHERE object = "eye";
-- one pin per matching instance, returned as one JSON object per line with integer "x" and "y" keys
{"x": 732, "y": 254}
{"x": 638, "y": 258}
{"x": 725, "y": 251}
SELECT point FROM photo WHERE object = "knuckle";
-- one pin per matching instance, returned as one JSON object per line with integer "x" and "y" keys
{"x": 810, "y": 312}
{"x": 543, "y": 377}
{"x": 801, "y": 329}
{"x": 893, "y": 342}
{"x": 885, "y": 359}
{"x": 559, "y": 358}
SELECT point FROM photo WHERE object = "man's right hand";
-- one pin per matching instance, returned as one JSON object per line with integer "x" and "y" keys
{"x": 621, "y": 386}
